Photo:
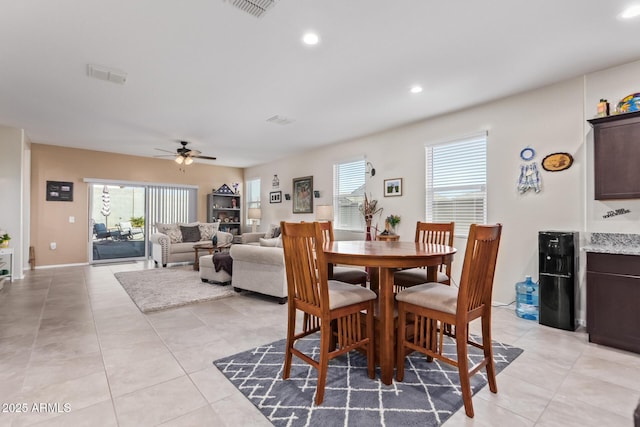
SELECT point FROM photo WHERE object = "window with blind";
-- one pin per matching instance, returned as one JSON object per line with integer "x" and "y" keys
{"x": 253, "y": 196}
{"x": 168, "y": 204}
{"x": 456, "y": 182}
{"x": 348, "y": 195}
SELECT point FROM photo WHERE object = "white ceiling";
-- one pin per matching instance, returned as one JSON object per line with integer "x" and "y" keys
{"x": 206, "y": 72}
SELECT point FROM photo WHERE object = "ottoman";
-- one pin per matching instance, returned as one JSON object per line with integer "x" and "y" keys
{"x": 208, "y": 271}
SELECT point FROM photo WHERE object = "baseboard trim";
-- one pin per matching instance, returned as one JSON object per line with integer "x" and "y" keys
{"x": 43, "y": 267}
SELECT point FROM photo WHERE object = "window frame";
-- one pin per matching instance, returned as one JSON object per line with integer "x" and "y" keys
{"x": 250, "y": 201}
{"x": 460, "y": 174}
{"x": 353, "y": 191}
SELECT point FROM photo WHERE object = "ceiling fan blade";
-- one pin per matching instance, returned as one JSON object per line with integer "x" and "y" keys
{"x": 165, "y": 151}
{"x": 205, "y": 157}
{"x": 165, "y": 155}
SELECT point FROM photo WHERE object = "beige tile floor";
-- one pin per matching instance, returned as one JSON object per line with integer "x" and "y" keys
{"x": 72, "y": 335}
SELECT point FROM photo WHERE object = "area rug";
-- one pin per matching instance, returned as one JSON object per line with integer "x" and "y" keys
{"x": 162, "y": 288}
{"x": 428, "y": 396}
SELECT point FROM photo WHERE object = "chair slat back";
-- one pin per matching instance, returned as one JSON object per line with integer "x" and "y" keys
{"x": 302, "y": 245}
{"x": 476, "y": 283}
{"x": 435, "y": 232}
{"x": 440, "y": 233}
{"x": 327, "y": 231}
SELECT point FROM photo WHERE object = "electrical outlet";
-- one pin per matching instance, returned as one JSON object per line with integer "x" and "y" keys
{"x": 53, "y": 246}
{"x": 72, "y": 219}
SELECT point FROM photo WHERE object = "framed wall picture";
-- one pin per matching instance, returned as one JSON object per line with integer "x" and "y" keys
{"x": 303, "y": 195}
{"x": 59, "y": 191}
{"x": 275, "y": 197}
{"x": 393, "y": 187}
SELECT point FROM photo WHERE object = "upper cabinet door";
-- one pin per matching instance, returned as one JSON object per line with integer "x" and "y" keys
{"x": 617, "y": 156}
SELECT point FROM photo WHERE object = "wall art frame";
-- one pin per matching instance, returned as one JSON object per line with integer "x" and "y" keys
{"x": 392, "y": 187}
{"x": 303, "y": 195}
{"x": 59, "y": 191}
{"x": 275, "y": 197}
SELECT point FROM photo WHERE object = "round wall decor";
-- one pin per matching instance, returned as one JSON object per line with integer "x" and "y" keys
{"x": 557, "y": 162}
{"x": 527, "y": 154}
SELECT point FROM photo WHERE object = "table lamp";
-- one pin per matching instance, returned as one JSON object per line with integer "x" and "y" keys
{"x": 324, "y": 213}
{"x": 253, "y": 215}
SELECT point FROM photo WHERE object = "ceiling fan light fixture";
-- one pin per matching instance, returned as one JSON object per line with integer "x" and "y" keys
{"x": 179, "y": 160}
{"x": 188, "y": 161}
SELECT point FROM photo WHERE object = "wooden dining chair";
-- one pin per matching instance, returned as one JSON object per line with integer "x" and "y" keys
{"x": 323, "y": 301}
{"x": 427, "y": 232}
{"x": 355, "y": 276}
{"x": 431, "y": 306}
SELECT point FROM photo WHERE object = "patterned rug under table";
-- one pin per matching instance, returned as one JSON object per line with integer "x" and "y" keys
{"x": 428, "y": 396}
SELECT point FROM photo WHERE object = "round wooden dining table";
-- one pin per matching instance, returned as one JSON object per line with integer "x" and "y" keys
{"x": 387, "y": 256}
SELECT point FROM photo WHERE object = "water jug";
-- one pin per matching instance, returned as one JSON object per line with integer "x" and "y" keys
{"x": 527, "y": 299}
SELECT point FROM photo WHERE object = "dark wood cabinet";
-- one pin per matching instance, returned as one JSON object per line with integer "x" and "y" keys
{"x": 616, "y": 155}
{"x": 613, "y": 300}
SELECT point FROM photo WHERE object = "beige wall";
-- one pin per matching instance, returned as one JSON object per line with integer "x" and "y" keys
{"x": 548, "y": 120}
{"x": 50, "y": 220}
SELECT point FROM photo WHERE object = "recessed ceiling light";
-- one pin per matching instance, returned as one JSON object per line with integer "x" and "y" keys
{"x": 311, "y": 39}
{"x": 415, "y": 89}
{"x": 631, "y": 12}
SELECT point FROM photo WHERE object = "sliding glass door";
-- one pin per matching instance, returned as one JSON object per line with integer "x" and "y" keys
{"x": 122, "y": 216}
{"x": 117, "y": 220}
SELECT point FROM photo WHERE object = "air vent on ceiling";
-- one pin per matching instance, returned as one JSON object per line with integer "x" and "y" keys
{"x": 280, "y": 120}
{"x": 256, "y": 8}
{"x": 108, "y": 74}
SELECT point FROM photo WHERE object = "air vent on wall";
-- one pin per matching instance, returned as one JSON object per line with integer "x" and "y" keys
{"x": 256, "y": 8}
{"x": 108, "y": 74}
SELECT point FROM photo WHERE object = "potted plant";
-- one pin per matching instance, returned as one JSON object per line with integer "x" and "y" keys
{"x": 392, "y": 222}
{"x": 137, "y": 221}
{"x": 4, "y": 240}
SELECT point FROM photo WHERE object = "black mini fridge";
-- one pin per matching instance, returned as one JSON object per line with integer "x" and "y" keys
{"x": 558, "y": 271}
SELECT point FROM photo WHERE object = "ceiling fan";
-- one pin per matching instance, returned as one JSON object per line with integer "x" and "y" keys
{"x": 184, "y": 155}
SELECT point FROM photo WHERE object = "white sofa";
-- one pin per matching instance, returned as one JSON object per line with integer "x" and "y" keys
{"x": 259, "y": 269}
{"x": 168, "y": 247}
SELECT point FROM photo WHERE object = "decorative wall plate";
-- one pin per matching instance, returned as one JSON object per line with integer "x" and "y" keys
{"x": 557, "y": 162}
{"x": 527, "y": 154}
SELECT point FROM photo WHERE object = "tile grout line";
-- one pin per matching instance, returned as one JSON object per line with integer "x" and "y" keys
{"x": 104, "y": 365}
{"x": 146, "y": 317}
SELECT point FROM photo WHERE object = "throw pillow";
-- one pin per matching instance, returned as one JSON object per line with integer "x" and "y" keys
{"x": 270, "y": 230}
{"x": 190, "y": 234}
{"x": 171, "y": 230}
{"x": 208, "y": 230}
{"x": 276, "y": 232}
{"x": 163, "y": 228}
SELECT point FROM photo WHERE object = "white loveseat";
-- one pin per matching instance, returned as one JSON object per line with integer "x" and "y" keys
{"x": 167, "y": 244}
{"x": 259, "y": 269}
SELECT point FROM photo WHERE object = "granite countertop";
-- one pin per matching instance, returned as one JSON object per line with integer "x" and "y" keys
{"x": 614, "y": 243}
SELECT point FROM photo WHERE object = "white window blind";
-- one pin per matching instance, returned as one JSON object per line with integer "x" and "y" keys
{"x": 456, "y": 182}
{"x": 172, "y": 204}
{"x": 348, "y": 195}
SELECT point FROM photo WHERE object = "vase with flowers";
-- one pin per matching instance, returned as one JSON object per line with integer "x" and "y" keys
{"x": 391, "y": 223}
{"x": 368, "y": 209}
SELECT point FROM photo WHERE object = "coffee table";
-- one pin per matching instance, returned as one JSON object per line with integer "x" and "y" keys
{"x": 209, "y": 247}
